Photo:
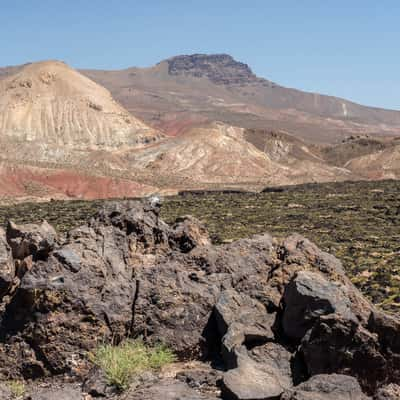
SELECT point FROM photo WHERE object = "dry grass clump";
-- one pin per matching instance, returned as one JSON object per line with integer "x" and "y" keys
{"x": 122, "y": 363}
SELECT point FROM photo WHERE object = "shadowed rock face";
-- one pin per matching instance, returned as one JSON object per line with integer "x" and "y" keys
{"x": 271, "y": 313}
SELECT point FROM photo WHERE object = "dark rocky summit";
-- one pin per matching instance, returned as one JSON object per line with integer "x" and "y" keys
{"x": 221, "y": 69}
{"x": 256, "y": 319}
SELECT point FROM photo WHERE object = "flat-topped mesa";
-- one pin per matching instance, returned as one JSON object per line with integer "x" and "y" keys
{"x": 219, "y": 68}
{"x": 50, "y": 103}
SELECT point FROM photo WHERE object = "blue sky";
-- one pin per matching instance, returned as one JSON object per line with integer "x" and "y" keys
{"x": 343, "y": 48}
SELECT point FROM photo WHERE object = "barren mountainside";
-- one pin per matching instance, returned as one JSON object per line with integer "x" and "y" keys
{"x": 183, "y": 88}
{"x": 50, "y": 103}
{"x": 189, "y": 122}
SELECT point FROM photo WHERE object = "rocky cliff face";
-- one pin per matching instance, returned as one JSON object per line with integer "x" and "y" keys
{"x": 221, "y": 69}
{"x": 278, "y": 317}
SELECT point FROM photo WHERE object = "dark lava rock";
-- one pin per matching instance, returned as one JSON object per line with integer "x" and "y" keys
{"x": 96, "y": 384}
{"x": 167, "y": 389}
{"x": 327, "y": 387}
{"x": 252, "y": 380}
{"x": 7, "y": 266}
{"x": 205, "y": 379}
{"x": 189, "y": 233}
{"x": 241, "y": 320}
{"x": 64, "y": 393}
{"x": 336, "y": 345}
{"x": 309, "y": 296}
{"x": 219, "y": 68}
{"x": 279, "y": 311}
{"x": 262, "y": 373}
{"x": 31, "y": 240}
{"x": 274, "y": 358}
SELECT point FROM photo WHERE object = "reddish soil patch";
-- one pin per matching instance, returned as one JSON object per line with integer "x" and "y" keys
{"x": 37, "y": 182}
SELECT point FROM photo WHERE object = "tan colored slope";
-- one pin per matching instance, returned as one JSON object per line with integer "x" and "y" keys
{"x": 50, "y": 103}
{"x": 384, "y": 164}
{"x": 219, "y": 153}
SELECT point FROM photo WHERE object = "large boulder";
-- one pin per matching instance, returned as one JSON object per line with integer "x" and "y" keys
{"x": 188, "y": 233}
{"x": 337, "y": 345}
{"x": 262, "y": 374}
{"x": 309, "y": 296}
{"x": 241, "y": 321}
{"x": 326, "y": 387}
{"x": 31, "y": 240}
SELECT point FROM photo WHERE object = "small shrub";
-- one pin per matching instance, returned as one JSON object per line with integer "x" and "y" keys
{"x": 17, "y": 388}
{"x": 130, "y": 358}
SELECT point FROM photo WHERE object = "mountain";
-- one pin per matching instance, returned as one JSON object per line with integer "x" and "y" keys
{"x": 217, "y": 154}
{"x": 190, "y": 122}
{"x": 48, "y": 102}
{"x": 186, "y": 90}
{"x": 383, "y": 164}
{"x": 53, "y": 123}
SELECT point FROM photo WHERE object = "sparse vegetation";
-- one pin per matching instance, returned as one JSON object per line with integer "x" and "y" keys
{"x": 356, "y": 221}
{"x": 17, "y": 389}
{"x": 122, "y": 363}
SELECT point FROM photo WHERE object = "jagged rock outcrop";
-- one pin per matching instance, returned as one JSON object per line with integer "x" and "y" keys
{"x": 280, "y": 317}
{"x": 221, "y": 69}
{"x": 7, "y": 267}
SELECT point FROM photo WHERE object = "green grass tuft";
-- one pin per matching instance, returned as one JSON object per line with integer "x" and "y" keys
{"x": 130, "y": 358}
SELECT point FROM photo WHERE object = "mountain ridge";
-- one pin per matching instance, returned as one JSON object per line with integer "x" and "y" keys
{"x": 217, "y": 87}
{"x": 195, "y": 122}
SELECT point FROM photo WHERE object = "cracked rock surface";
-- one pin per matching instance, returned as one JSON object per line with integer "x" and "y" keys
{"x": 261, "y": 318}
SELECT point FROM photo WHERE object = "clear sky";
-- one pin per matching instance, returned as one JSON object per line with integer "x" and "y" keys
{"x": 343, "y": 48}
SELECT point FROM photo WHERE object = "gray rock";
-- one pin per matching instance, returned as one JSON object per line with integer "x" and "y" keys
{"x": 7, "y": 267}
{"x": 249, "y": 381}
{"x": 167, "y": 389}
{"x": 336, "y": 345}
{"x": 307, "y": 297}
{"x": 241, "y": 320}
{"x": 204, "y": 378}
{"x": 276, "y": 359}
{"x": 69, "y": 258}
{"x": 262, "y": 373}
{"x": 31, "y": 240}
{"x": 96, "y": 384}
{"x": 188, "y": 233}
{"x": 387, "y": 328}
{"x": 64, "y": 393}
{"x": 326, "y": 387}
